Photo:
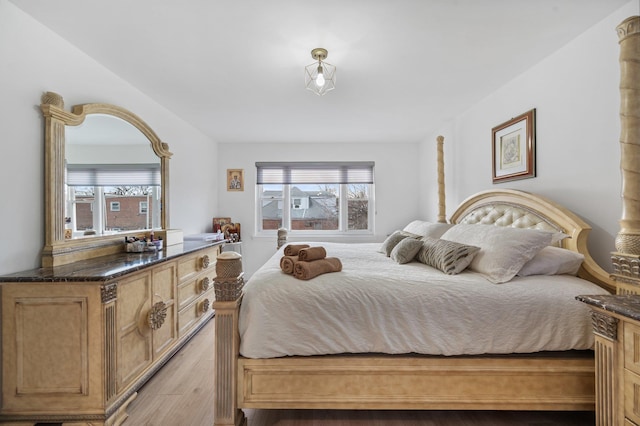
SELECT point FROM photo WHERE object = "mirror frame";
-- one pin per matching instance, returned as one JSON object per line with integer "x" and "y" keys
{"x": 58, "y": 250}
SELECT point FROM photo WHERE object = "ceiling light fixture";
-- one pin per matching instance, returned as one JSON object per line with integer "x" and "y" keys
{"x": 320, "y": 77}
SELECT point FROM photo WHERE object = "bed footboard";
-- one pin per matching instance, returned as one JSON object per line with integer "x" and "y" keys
{"x": 562, "y": 381}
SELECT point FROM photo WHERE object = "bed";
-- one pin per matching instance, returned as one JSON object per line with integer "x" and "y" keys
{"x": 259, "y": 370}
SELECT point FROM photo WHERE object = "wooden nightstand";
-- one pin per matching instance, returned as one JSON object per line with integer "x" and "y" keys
{"x": 616, "y": 324}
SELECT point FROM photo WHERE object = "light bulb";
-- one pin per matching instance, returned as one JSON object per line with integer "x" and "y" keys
{"x": 320, "y": 77}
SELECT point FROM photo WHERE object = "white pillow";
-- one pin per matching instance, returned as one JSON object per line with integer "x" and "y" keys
{"x": 553, "y": 261}
{"x": 503, "y": 250}
{"x": 427, "y": 229}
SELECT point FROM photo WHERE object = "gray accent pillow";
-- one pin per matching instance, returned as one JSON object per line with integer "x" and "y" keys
{"x": 448, "y": 256}
{"x": 393, "y": 239}
{"x": 405, "y": 251}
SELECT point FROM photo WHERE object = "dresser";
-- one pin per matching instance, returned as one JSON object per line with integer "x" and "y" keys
{"x": 79, "y": 340}
{"x": 616, "y": 323}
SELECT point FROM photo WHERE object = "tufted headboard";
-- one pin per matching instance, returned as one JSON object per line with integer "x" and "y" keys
{"x": 521, "y": 209}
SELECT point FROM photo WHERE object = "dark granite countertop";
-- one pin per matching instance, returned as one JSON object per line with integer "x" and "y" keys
{"x": 627, "y": 305}
{"x": 105, "y": 268}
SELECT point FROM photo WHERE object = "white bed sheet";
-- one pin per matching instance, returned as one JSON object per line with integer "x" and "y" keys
{"x": 375, "y": 305}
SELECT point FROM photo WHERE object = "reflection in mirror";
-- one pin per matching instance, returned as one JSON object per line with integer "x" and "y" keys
{"x": 112, "y": 180}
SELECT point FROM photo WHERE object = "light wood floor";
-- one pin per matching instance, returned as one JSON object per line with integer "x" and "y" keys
{"x": 181, "y": 394}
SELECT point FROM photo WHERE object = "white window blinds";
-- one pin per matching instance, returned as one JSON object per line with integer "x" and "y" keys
{"x": 314, "y": 172}
{"x": 113, "y": 175}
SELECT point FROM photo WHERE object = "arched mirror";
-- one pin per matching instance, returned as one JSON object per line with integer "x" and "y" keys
{"x": 106, "y": 177}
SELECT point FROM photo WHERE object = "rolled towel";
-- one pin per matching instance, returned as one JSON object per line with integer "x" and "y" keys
{"x": 306, "y": 270}
{"x": 293, "y": 249}
{"x": 312, "y": 253}
{"x": 287, "y": 262}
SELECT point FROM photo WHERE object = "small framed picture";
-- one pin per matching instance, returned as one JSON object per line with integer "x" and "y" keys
{"x": 219, "y": 222}
{"x": 235, "y": 180}
{"x": 513, "y": 148}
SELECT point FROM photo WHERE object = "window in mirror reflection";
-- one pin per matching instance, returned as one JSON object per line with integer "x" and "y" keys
{"x": 105, "y": 199}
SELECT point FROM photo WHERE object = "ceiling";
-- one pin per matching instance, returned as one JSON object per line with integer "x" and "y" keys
{"x": 235, "y": 68}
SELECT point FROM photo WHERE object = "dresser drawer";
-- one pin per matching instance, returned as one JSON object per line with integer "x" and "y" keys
{"x": 632, "y": 396}
{"x": 196, "y": 311}
{"x": 190, "y": 290}
{"x": 192, "y": 264}
{"x": 632, "y": 347}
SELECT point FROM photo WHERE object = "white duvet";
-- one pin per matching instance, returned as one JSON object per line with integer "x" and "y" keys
{"x": 375, "y": 305}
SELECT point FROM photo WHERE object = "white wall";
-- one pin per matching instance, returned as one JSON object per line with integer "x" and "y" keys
{"x": 35, "y": 60}
{"x": 397, "y": 189}
{"x": 576, "y": 96}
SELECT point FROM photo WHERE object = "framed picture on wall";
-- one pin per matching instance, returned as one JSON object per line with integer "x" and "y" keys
{"x": 235, "y": 180}
{"x": 219, "y": 222}
{"x": 513, "y": 147}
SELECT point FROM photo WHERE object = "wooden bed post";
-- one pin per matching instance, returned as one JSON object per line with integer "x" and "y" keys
{"x": 626, "y": 258}
{"x": 626, "y": 274}
{"x": 226, "y": 411}
{"x": 628, "y": 239}
{"x": 228, "y": 288}
{"x": 442, "y": 209}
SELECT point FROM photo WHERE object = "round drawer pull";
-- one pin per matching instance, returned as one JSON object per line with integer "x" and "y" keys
{"x": 204, "y": 307}
{"x": 205, "y": 284}
{"x": 205, "y": 261}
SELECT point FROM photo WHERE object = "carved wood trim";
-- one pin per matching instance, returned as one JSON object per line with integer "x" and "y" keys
{"x": 606, "y": 381}
{"x": 52, "y": 98}
{"x": 160, "y": 148}
{"x": 628, "y": 27}
{"x": 604, "y": 325}
{"x": 628, "y": 238}
{"x": 109, "y": 292}
{"x": 228, "y": 289}
{"x": 157, "y": 315}
{"x": 110, "y": 352}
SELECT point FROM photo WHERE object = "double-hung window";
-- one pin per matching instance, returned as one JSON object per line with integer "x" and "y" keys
{"x": 316, "y": 197}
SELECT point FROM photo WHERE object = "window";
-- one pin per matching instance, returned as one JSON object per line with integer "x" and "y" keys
{"x": 108, "y": 198}
{"x": 329, "y": 197}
